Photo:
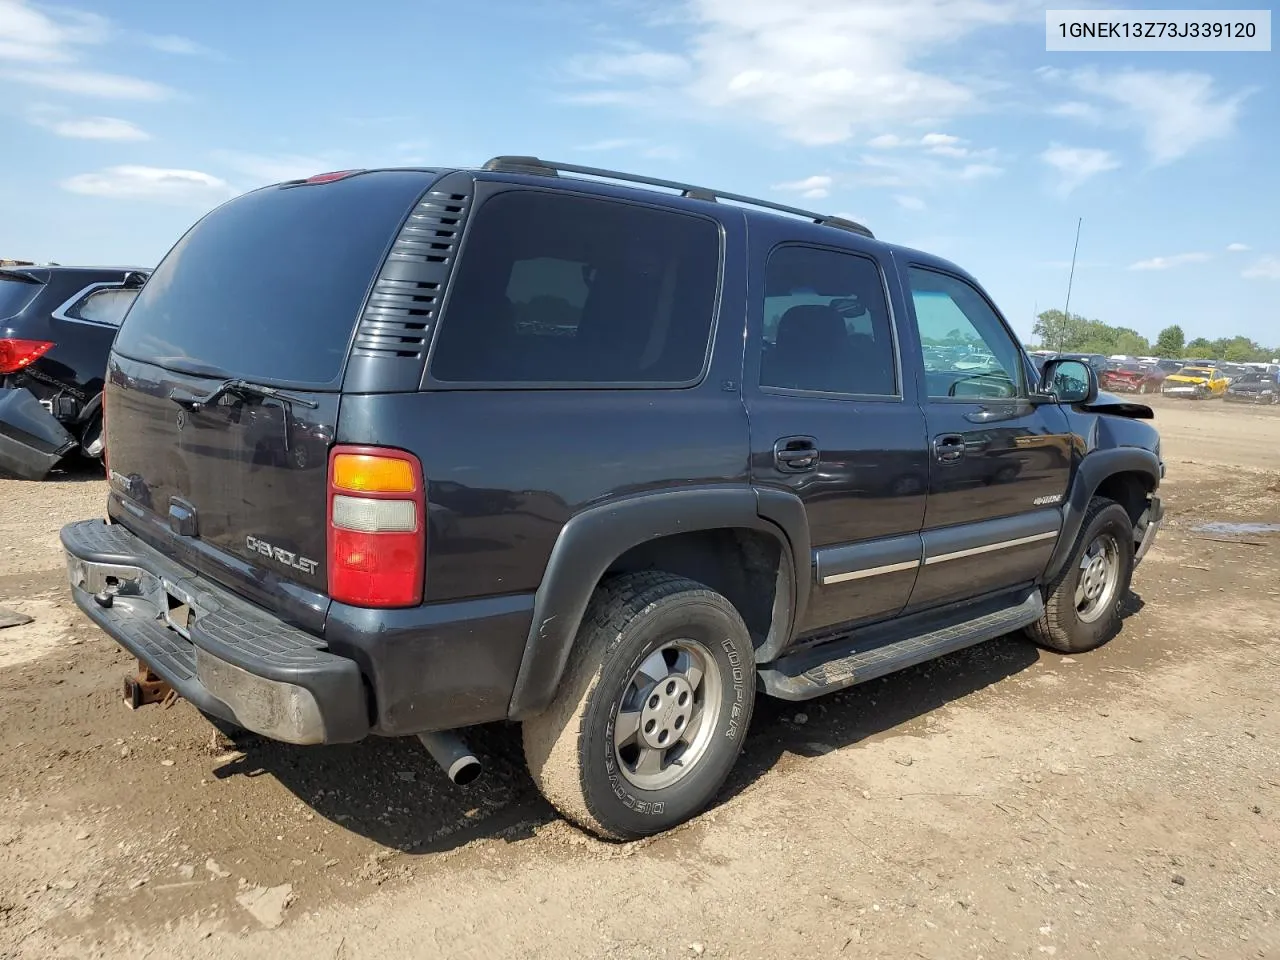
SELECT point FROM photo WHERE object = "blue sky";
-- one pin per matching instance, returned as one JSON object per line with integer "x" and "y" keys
{"x": 942, "y": 124}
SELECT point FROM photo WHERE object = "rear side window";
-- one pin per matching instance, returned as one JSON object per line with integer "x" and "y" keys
{"x": 106, "y": 306}
{"x": 270, "y": 285}
{"x": 575, "y": 290}
{"x": 15, "y": 294}
{"x": 826, "y": 324}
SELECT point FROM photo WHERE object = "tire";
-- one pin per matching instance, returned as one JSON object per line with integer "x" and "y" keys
{"x": 581, "y": 758}
{"x": 1068, "y": 625}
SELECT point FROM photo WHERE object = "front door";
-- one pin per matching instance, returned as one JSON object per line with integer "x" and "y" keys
{"x": 999, "y": 464}
{"x": 831, "y": 422}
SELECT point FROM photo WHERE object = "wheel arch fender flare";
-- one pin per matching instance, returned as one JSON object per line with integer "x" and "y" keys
{"x": 593, "y": 539}
{"x": 1095, "y": 468}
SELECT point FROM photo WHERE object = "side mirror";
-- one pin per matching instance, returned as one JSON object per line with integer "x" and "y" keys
{"x": 1069, "y": 381}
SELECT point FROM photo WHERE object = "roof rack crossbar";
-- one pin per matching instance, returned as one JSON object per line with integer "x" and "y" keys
{"x": 536, "y": 166}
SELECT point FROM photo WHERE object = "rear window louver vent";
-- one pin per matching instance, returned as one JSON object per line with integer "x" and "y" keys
{"x": 405, "y": 302}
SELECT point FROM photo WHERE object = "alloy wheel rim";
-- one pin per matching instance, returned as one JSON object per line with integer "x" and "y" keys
{"x": 1099, "y": 578}
{"x": 664, "y": 723}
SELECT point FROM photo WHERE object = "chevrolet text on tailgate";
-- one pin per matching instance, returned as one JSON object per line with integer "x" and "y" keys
{"x": 405, "y": 451}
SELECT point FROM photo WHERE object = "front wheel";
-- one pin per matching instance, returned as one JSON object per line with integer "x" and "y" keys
{"x": 1082, "y": 604}
{"x": 652, "y": 711}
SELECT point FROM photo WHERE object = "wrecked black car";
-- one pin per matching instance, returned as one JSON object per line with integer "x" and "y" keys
{"x": 56, "y": 328}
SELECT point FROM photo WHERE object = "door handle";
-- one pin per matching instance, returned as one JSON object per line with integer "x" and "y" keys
{"x": 796, "y": 454}
{"x": 948, "y": 448}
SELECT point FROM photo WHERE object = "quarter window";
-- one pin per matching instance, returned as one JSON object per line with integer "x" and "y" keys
{"x": 106, "y": 306}
{"x": 575, "y": 290}
{"x": 826, "y": 324}
{"x": 968, "y": 353}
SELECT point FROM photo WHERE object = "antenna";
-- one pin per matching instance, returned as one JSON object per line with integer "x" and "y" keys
{"x": 1066, "y": 309}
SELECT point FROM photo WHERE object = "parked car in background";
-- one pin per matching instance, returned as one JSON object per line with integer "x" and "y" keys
{"x": 1255, "y": 386}
{"x": 1095, "y": 360}
{"x": 56, "y": 328}
{"x": 1233, "y": 371}
{"x": 1132, "y": 377}
{"x": 1195, "y": 383}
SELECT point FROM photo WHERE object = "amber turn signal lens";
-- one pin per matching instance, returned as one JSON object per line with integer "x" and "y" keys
{"x": 369, "y": 474}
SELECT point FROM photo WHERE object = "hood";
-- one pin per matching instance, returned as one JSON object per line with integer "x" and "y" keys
{"x": 1184, "y": 378}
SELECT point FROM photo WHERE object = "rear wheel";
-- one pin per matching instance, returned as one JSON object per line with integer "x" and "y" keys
{"x": 1082, "y": 605}
{"x": 651, "y": 714}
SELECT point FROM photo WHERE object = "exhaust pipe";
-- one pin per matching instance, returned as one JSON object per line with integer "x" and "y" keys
{"x": 448, "y": 750}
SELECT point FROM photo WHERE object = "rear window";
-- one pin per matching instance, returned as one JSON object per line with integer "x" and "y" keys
{"x": 15, "y": 294}
{"x": 565, "y": 289}
{"x": 270, "y": 285}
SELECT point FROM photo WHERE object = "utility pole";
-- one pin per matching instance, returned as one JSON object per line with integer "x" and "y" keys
{"x": 1066, "y": 310}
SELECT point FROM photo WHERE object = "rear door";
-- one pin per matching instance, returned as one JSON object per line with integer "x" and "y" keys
{"x": 832, "y": 422}
{"x": 999, "y": 464}
{"x": 266, "y": 289}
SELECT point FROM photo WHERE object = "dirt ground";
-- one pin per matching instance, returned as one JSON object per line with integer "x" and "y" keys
{"x": 1002, "y": 802}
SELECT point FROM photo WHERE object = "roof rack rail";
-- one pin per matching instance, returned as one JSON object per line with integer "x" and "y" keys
{"x": 546, "y": 168}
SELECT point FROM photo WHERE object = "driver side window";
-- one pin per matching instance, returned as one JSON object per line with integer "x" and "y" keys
{"x": 967, "y": 351}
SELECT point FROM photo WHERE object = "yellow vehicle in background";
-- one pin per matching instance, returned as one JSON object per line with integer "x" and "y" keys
{"x": 1196, "y": 383}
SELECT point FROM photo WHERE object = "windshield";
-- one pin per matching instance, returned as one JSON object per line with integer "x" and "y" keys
{"x": 269, "y": 286}
{"x": 1195, "y": 372}
{"x": 15, "y": 294}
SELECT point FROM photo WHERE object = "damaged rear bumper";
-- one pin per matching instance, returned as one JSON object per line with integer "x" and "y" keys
{"x": 227, "y": 657}
{"x": 32, "y": 441}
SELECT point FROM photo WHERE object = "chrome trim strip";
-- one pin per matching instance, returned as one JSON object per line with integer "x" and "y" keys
{"x": 61, "y": 312}
{"x": 869, "y": 572}
{"x": 990, "y": 547}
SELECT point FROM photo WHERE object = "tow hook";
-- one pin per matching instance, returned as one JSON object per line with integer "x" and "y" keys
{"x": 145, "y": 687}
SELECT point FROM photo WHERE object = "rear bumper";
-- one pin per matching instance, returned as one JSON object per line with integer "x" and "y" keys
{"x": 1188, "y": 390}
{"x": 32, "y": 441}
{"x": 391, "y": 672}
{"x": 229, "y": 658}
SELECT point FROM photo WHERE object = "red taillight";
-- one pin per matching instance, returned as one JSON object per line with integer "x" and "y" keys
{"x": 16, "y": 354}
{"x": 377, "y": 527}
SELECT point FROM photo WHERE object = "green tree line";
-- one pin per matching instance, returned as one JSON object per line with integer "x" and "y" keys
{"x": 1072, "y": 333}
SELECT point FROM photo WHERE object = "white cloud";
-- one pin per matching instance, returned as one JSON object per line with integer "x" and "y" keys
{"x": 818, "y": 70}
{"x": 1078, "y": 110}
{"x": 629, "y": 61}
{"x": 43, "y": 47}
{"x": 1237, "y": 247}
{"x": 1264, "y": 268}
{"x": 611, "y": 144}
{"x": 886, "y": 141}
{"x": 263, "y": 169}
{"x": 980, "y": 171}
{"x": 1077, "y": 164}
{"x": 32, "y": 35}
{"x": 1167, "y": 263}
{"x": 939, "y": 140}
{"x": 95, "y": 128}
{"x": 1177, "y": 112}
{"x": 170, "y": 43}
{"x": 909, "y": 202}
{"x": 811, "y": 188}
{"x": 88, "y": 83}
{"x": 151, "y": 183}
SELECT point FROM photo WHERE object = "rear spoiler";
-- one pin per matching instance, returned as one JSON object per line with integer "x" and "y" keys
{"x": 17, "y": 273}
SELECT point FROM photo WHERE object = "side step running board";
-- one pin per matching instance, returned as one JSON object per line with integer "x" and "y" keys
{"x": 842, "y": 663}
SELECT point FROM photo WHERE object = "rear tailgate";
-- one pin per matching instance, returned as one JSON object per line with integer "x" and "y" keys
{"x": 267, "y": 289}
